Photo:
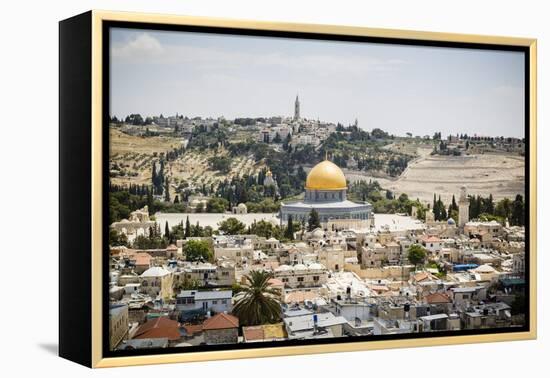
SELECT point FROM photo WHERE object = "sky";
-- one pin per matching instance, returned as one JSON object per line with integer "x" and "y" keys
{"x": 397, "y": 88}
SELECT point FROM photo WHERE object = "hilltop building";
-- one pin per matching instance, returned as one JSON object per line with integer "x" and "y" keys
{"x": 326, "y": 193}
{"x": 269, "y": 180}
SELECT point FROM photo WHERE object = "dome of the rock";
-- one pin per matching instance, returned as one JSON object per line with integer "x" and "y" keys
{"x": 326, "y": 176}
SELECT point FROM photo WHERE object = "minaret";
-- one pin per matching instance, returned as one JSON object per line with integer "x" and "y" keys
{"x": 297, "y": 109}
{"x": 463, "y": 207}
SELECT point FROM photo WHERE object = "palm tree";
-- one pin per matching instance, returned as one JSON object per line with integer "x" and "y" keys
{"x": 258, "y": 302}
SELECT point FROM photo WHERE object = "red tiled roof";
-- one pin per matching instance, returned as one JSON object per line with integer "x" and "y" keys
{"x": 221, "y": 321}
{"x": 159, "y": 328}
{"x": 253, "y": 333}
{"x": 191, "y": 329}
{"x": 141, "y": 258}
{"x": 437, "y": 298}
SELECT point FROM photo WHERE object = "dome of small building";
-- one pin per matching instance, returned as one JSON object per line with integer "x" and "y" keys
{"x": 316, "y": 266}
{"x": 155, "y": 271}
{"x": 484, "y": 269}
{"x": 326, "y": 176}
{"x": 283, "y": 268}
{"x": 300, "y": 267}
{"x": 318, "y": 233}
{"x": 241, "y": 206}
{"x": 451, "y": 222}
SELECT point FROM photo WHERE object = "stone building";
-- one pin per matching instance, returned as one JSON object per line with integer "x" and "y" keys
{"x": 221, "y": 329}
{"x": 118, "y": 324}
{"x": 218, "y": 301}
{"x": 137, "y": 224}
{"x": 239, "y": 209}
{"x": 301, "y": 276}
{"x": 157, "y": 281}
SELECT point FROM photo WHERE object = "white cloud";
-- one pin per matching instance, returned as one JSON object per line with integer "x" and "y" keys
{"x": 142, "y": 46}
{"x": 146, "y": 49}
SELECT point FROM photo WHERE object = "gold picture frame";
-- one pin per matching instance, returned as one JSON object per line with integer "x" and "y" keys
{"x": 95, "y": 20}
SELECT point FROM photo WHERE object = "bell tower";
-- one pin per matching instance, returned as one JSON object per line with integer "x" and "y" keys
{"x": 463, "y": 207}
{"x": 297, "y": 109}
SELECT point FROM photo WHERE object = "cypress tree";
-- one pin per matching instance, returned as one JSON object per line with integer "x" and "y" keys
{"x": 443, "y": 212}
{"x": 289, "y": 232}
{"x": 454, "y": 206}
{"x": 166, "y": 231}
{"x": 518, "y": 211}
{"x": 187, "y": 228}
{"x": 313, "y": 221}
{"x": 167, "y": 190}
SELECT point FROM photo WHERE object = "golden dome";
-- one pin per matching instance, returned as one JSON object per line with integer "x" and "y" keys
{"x": 326, "y": 176}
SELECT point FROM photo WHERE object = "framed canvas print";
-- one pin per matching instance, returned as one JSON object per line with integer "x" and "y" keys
{"x": 234, "y": 189}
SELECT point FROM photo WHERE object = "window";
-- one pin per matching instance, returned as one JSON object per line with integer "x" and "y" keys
{"x": 300, "y": 279}
{"x": 214, "y": 302}
{"x": 315, "y": 278}
{"x": 285, "y": 280}
{"x": 224, "y": 301}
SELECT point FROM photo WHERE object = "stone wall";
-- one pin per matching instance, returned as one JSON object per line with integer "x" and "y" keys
{"x": 395, "y": 272}
{"x": 221, "y": 336}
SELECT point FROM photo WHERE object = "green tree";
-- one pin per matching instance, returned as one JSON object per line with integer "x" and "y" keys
{"x": 188, "y": 284}
{"x": 167, "y": 190}
{"x": 504, "y": 209}
{"x": 117, "y": 239}
{"x": 199, "y": 208}
{"x": 454, "y": 205}
{"x": 518, "y": 211}
{"x": 289, "y": 231}
{"x": 166, "y": 231}
{"x": 232, "y": 226}
{"x": 258, "y": 302}
{"x": 262, "y": 228}
{"x": 178, "y": 231}
{"x": 416, "y": 255}
{"x": 197, "y": 250}
{"x": 313, "y": 221}
{"x": 216, "y": 205}
{"x": 222, "y": 164}
{"x": 187, "y": 228}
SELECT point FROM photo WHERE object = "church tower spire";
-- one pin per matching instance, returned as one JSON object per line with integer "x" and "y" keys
{"x": 297, "y": 109}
